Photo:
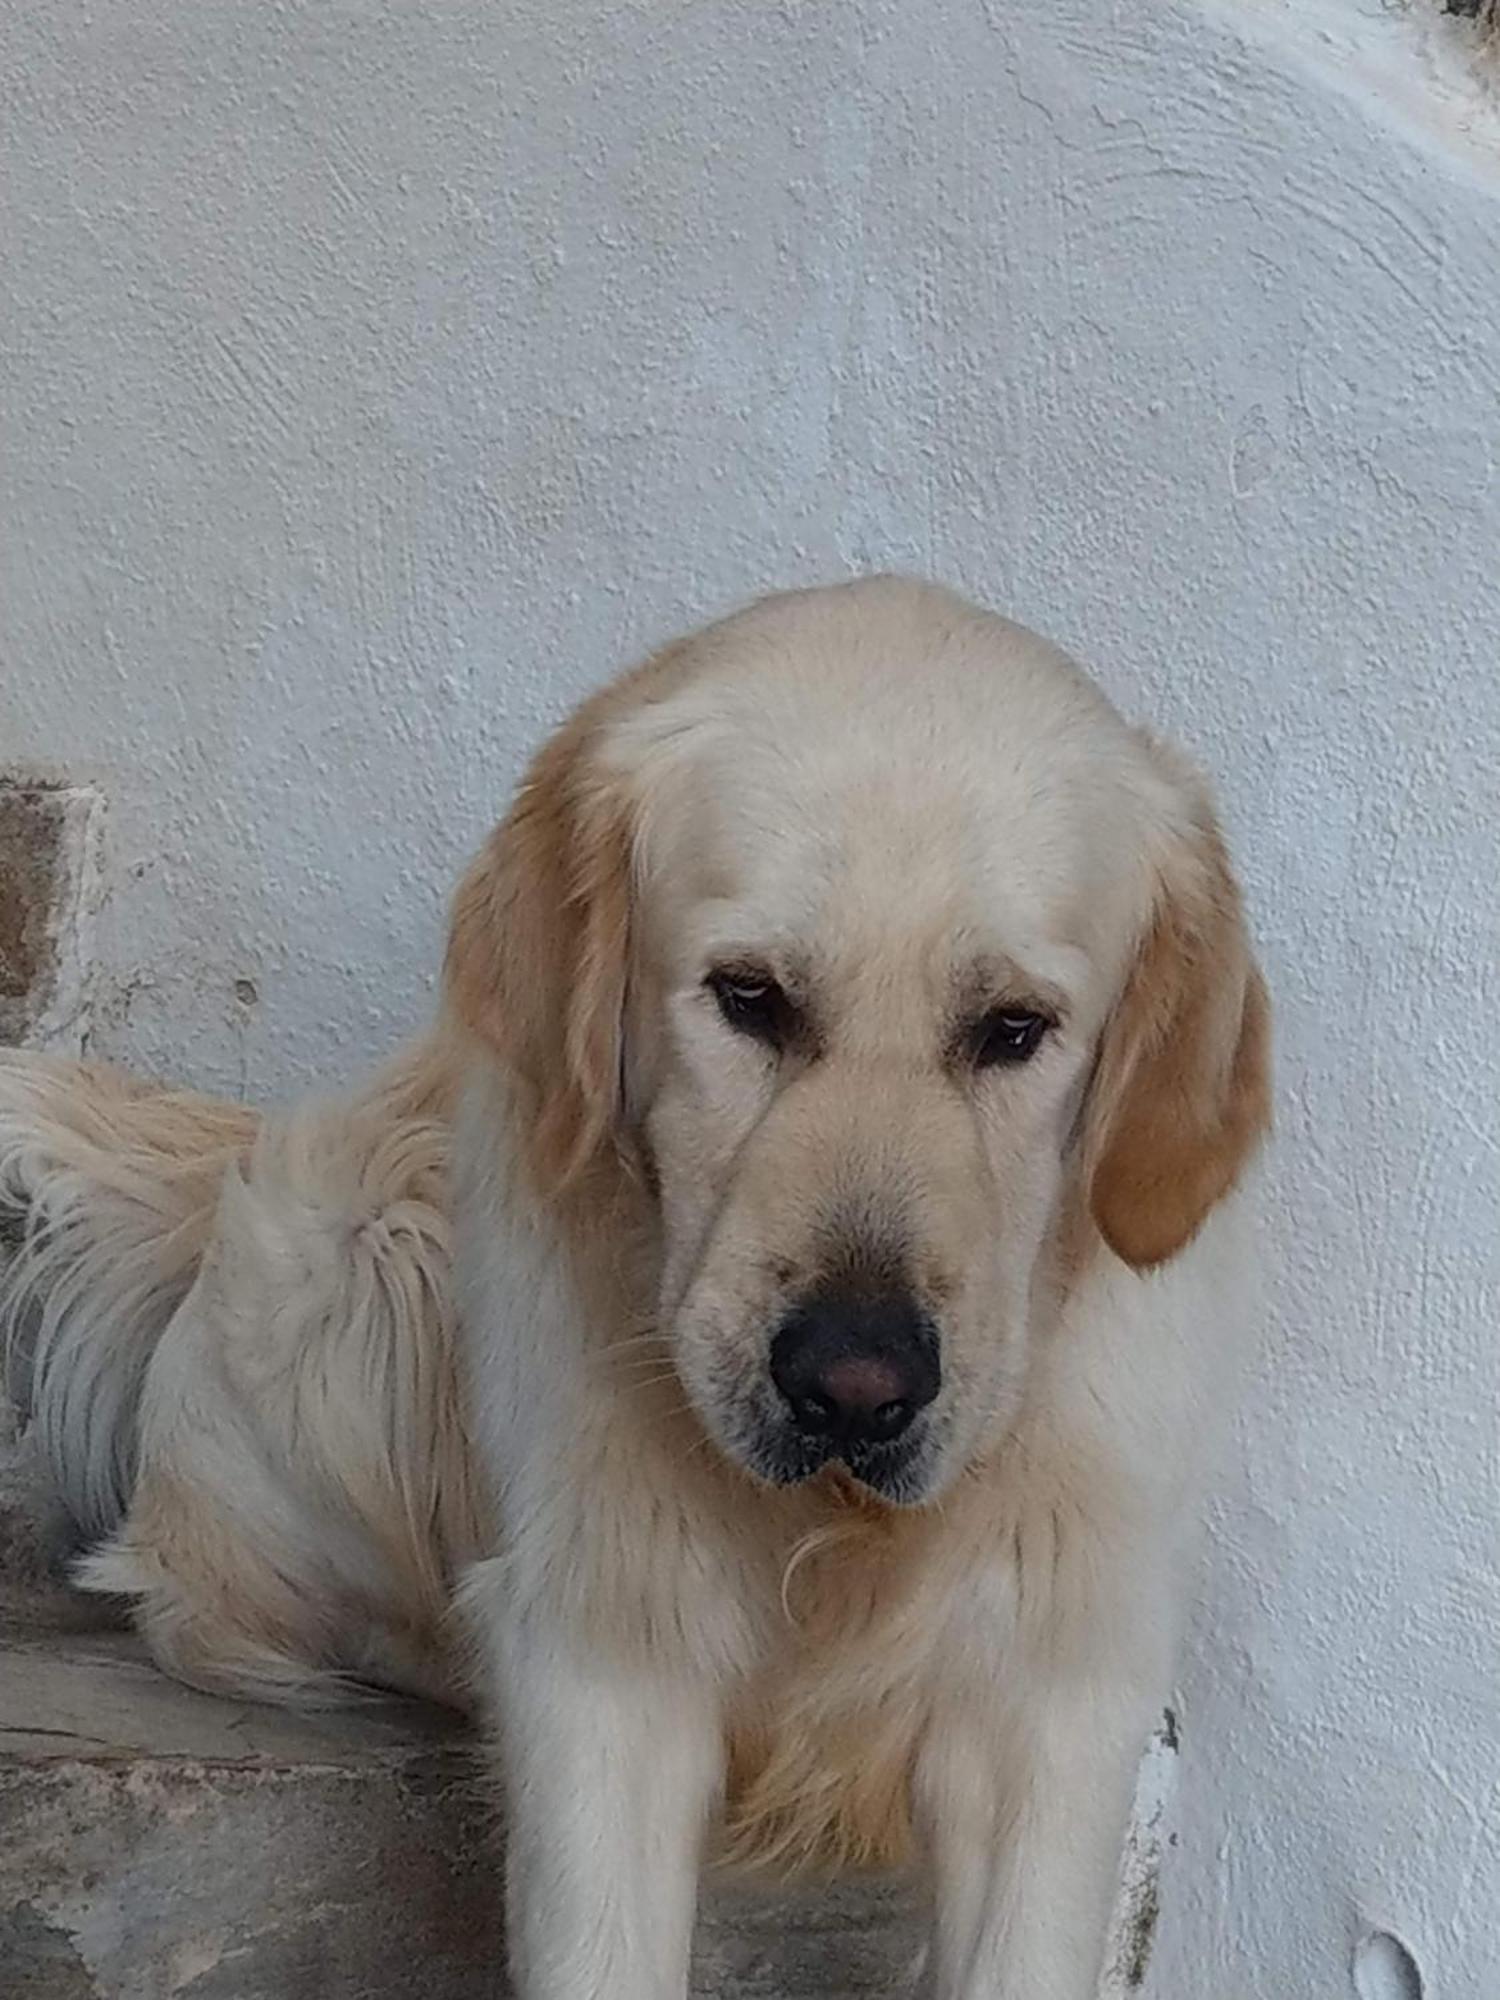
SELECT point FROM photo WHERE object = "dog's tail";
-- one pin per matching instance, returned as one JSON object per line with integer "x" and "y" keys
{"x": 108, "y": 1190}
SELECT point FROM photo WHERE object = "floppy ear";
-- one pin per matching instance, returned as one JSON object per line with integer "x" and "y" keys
{"x": 1181, "y": 1094}
{"x": 538, "y": 952}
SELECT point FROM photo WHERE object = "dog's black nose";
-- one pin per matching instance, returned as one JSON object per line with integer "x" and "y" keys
{"x": 855, "y": 1366}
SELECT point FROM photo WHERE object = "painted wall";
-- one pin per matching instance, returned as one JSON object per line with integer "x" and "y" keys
{"x": 379, "y": 377}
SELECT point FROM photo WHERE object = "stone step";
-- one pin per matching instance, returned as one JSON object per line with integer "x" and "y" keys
{"x": 157, "y": 1844}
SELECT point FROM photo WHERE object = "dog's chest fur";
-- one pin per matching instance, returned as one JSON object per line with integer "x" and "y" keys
{"x": 824, "y": 1738}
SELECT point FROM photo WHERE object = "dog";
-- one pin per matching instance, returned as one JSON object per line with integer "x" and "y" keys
{"x": 764, "y": 1345}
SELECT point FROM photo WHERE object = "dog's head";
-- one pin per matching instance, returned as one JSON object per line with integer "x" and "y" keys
{"x": 865, "y": 930}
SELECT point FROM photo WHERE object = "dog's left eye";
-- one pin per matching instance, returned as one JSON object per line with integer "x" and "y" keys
{"x": 753, "y": 1004}
{"x": 1007, "y": 1035}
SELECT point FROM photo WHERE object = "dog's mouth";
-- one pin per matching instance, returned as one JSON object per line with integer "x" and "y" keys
{"x": 898, "y": 1472}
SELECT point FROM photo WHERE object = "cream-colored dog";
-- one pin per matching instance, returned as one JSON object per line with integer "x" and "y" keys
{"x": 850, "y": 1038}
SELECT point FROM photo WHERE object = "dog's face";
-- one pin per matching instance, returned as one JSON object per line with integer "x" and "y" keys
{"x": 890, "y": 953}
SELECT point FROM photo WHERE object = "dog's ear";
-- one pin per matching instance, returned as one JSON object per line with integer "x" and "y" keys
{"x": 538, "y": 952}
{"x": 1181, "y": 1094}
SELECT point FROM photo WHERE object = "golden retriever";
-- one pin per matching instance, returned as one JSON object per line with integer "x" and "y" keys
{"x": 786, "y": 1298}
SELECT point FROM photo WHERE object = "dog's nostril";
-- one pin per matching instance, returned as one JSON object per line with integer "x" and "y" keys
{"x": 850, "y": 1418}
{"x": 892, "y": 1418}
{"x": 812, "y": 1414}
{"x": 853, "y": 1370}
{"x": 863, "y": 1385}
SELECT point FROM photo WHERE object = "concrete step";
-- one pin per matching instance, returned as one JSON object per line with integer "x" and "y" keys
{"x": 157, "y": 1844}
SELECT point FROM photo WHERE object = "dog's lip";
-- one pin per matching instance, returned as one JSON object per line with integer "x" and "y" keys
{"x": 784, "y": 1458}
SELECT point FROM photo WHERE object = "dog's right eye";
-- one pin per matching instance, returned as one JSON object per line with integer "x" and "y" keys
{"x": 753, "y": 1004}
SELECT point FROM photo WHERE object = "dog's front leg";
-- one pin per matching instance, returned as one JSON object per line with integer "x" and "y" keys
{"x": 1025, "y": 1814}
{"x": 610, "y": 1770}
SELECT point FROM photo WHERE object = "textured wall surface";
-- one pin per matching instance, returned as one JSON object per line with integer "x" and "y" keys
{"x": 379, "y": 376}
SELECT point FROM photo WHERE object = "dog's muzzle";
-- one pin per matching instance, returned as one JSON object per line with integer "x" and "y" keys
{"x": 853, "y": 1370}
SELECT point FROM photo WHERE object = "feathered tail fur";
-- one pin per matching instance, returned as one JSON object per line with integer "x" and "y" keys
{"x": 108, "y": 1194}
{"x": 233, "y": 1339}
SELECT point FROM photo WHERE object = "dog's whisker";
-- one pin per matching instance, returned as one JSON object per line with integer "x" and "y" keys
{"x": 655, "y": 1338}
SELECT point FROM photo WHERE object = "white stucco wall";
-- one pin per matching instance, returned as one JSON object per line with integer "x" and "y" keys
{"x": 377, "y": 377}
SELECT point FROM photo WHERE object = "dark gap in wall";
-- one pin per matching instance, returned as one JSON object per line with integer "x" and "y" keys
{"x": 32, "y": 880}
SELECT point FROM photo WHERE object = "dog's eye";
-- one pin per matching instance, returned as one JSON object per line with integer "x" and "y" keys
{"x": 1007, "y": 1035}
{"x": 753, "y": 1004}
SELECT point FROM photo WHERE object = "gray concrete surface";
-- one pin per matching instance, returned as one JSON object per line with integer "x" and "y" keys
{"x": 157, "y": 1844}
